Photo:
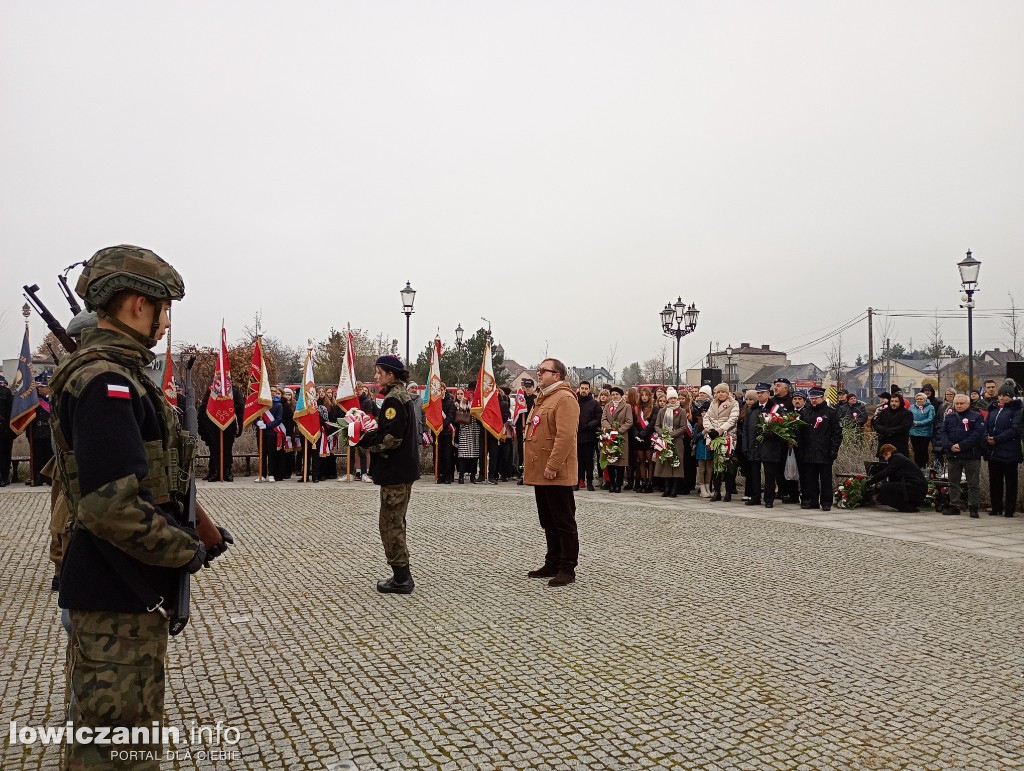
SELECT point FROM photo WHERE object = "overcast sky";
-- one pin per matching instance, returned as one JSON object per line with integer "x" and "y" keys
{"x": 561, "y": 168}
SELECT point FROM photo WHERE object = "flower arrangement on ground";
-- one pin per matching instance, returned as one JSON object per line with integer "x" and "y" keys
{"x": 853, "y": 492}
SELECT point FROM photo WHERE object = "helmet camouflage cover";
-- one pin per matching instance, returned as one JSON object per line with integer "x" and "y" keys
{"x": 129, "y": 268}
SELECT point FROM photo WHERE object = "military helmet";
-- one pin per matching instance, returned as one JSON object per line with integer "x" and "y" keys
{"x": 131, "y": 268}
{"x": 81, "y": 322}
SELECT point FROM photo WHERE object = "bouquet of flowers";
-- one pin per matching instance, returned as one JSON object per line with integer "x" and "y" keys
{"x": 665, "y": 449}
{"x": 723, "y": 451}
{"x": 356, "y": 423}
{"x": 612, "y": 445}
{"x": 852, "y": 492}
{"x": 782, "y": 425}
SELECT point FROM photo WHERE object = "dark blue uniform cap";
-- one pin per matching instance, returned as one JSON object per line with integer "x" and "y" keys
{"x": 801, "y": 393}
{"x": 762, "y": 387}
{"x": 817, "y": 392}
{"x": 390, "y": 363}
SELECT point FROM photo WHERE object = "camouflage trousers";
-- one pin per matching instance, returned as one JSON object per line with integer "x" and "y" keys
{"x": 394, "y": 503}
{"x": 116, "y": 677}
{"x": 59, "y": 526}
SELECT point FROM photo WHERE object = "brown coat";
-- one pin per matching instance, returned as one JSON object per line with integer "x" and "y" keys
{"x": 623, "y": 417}
{"x": 678, "y": 435}
{"x": 550, "y": 438}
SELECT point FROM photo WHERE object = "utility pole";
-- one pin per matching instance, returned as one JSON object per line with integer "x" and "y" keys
{"x": 871, "y": 356}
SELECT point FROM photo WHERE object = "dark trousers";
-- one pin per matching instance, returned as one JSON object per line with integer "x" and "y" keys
{"x": 689, "y": 468}
{"x": 1002, "y": 486}
{"x": 752, "y": 485}
{"x": 816, "y": 483}
{"x": 585, "y": 460}
{"x": 269, "y": 457}
{"x": 6, "y": 442}
{"x": 220, "y": 459}
{"x": 493, "y": 456}
{"x": 556, "y": 509}
{"x": 921, "y": 445}
{"x": 772, "y": 477}
{"x": 445, "y": 456}
{"x": 896, "y": 495}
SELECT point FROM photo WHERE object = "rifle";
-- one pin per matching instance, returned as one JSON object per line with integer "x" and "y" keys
{"x": 66, "y": 290}
{"x": 55, "y": 326}
{"x": 180, "y": 614}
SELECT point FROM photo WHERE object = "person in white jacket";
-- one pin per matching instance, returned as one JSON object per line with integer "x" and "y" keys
{"x": 720, "y": 421}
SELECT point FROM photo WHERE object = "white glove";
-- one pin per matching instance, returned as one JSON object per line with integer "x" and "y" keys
{"x": 260, "y": 424}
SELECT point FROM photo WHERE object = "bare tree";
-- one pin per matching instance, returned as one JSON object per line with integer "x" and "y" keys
{"x": 936, "y": 349}
{"x": 836, "y": 365}
{"x": 613, "y": 350}
{"x": 657, "y": 369}
{"x": 1013, "y": 326}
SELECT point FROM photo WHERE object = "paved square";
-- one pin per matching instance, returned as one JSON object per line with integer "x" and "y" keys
{"x": 695, "y": 637}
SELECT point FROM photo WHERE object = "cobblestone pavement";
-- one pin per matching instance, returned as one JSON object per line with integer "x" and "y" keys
{"x": 694, "y": 638}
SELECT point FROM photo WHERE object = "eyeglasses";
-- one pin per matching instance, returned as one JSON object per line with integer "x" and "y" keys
{"x": 552, "y": 371}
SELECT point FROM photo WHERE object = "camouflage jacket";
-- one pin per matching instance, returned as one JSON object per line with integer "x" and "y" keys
{"x": 395, "y": 443}
{"x": 119, "y": 455}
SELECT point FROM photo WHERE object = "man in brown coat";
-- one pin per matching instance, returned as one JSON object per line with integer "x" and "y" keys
{"x": 549, "y": 455}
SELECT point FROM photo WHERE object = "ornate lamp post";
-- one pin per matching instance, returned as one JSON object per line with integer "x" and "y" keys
{"x": 678, "y": 321}
{"x": 408, "y": 298}
{"x": 728, "y": 369}
{"x": 969, "y": 269}
{"x": 459, "y": 332}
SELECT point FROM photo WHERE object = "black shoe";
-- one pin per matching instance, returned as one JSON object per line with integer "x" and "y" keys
{"x": 769, "y": 504}
{"x": 521, "y": 482}
{"x": 806, "y": 505}
{"x": 717, "y": 496}
{"x": 974, "y": 513}
{"x": 727, "y": 498}
{"x": 752, "y": 502}
{"x": 996, "y": 513}
{"x": 667, "y": 493}
{"x": 590, "y": 486}
{"x": 950, "y": 511}
{"x": 826, "y": 508}
{"x": 462, "y": 479}
{"x": 400, "y": 583}
{"x": 544, "y": 571}
{"x": 563, "y": 578}
{"x": 1008, "y": 514}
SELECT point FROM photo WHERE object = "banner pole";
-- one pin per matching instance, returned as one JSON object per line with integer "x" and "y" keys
{"x": 437, "y": 440}
{"x": 305, "y": 459}
{"x": 259, "y": 466}
{"x": 220, "y": 458}
{"x": 31, "y": 458}
{"x": 348, "y": 461}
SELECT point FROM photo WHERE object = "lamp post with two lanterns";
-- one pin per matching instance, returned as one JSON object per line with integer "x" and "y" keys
{"x": 678, "y": 321}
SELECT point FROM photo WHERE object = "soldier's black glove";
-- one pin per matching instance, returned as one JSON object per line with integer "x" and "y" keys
{"x": 198, "y": 560}
{"x": 218, "y": 549}
{"x": 712, "y": 434}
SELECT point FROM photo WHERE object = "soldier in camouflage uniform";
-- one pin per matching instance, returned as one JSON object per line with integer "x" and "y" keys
{"x": 396, "y": 465}
{"x": 122, "y": 473}
{"x": 60, "y": 515}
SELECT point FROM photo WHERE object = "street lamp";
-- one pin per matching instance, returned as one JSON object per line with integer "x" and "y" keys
{"x": 459, "y": 332}
{"x": 728, "y": 368}
{"x": 685, "y": 321}
{"x": 408, "y": 298}
{"x": 969, "y": 269}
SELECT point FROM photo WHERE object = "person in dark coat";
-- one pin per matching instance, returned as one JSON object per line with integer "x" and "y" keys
{"x": 820, "y": 440}
{"x": 269, "y": 462}
{"x": 39, "y": 431}
{"x": 6, "y": 435}
{"x": 445, "y": 440}
{"x": 892, "y": 424}
{"x": 903, "y": 485}
{"x": 754, "y": 450}
{"x": 782, "y": 401}
{"x": 396, "y": 465}
{"x": 852, "y": 411}
{"x": 1002, "y": 444}
{"x": 586, "y": 435}
{"x": 529, "y": 391}
{"x": 963, "y": 438}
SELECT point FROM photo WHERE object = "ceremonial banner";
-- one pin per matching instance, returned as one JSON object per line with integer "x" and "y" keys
{"x": 307, "y": 412}
{"x": 485, "y": 398}
{"x": 23, "y": 410}
{"x": 169, "y": 391}
{"x": 221, "y": 405}
{"x": 519, "y": 406}
{"x": 257, "y": 397}
{"x": 346, "y": 395}
{"x": 433, "y": 412}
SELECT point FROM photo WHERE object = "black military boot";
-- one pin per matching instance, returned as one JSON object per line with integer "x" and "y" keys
{"x": 544, "y": 571}
{"x": 401, "y": 583}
